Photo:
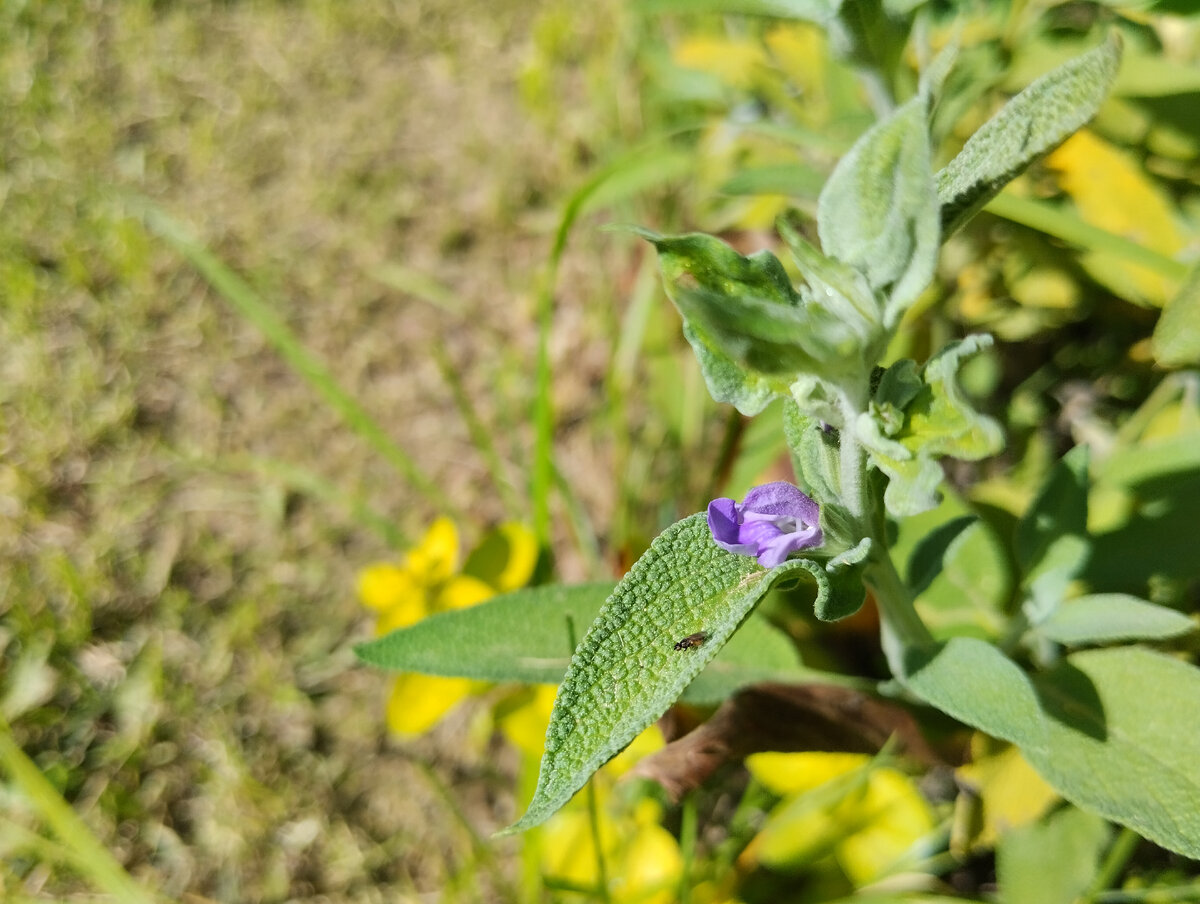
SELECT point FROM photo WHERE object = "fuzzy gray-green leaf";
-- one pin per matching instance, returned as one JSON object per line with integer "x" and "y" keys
{"x": 627, "y": 670}
{"x": 879, "y": 210}
{"x": 523, "y": 636}
{"x": 1032, "y": 124}
{"x": 1110, "y": 617}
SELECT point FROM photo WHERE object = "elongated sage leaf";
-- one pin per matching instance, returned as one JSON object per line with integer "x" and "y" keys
{"x": 524, "y": 636}
{"x": 631, "y": 665}
{"x": 1030, "y": 125}
{"x": 1123, "y": 731}
{"x": 1176, "y": 341}
{"x": 975, "y": 683}
{"x": 1114, "y": 731}
{"x": 879, "y": 210}
{"x": 1052, "y": 545}
{"x": 1108, "y": 617}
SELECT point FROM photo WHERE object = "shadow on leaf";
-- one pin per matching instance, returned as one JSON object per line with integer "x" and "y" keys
{"x": 1069, "y": 696}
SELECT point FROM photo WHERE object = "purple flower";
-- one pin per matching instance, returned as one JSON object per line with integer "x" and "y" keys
{"x": 775, "y": 521}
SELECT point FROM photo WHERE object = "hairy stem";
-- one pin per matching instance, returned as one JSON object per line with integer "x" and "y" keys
{"x": 900, "y": 627}
{"x": 900, "y": 622}
{"x": 852, "y": 457}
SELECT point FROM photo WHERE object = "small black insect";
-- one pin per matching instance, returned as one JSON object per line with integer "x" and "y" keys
{"x": 692, "y": 640}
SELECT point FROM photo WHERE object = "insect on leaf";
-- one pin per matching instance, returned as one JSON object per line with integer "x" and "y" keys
{"x": 632, "y": 665}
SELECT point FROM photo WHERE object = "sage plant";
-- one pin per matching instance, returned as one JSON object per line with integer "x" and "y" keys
{"x": 866, "y": 444}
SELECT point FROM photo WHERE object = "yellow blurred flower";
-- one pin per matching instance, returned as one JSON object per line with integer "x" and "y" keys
{"x": 734, "y": 61}
{"x": 643, "y": 863}
{"x": 1008, "y": 793}
{"x": 1112, "y": 190}
{"x": 642, "y": 860}
{"x": 427, "y": 580}
{"x": 841, "y": 807}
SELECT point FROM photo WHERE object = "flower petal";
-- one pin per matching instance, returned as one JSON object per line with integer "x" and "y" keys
{"x": 418, "y": 702}
{"x": 760, "y": 533}
{"x": 777, "y": 549}
{"x": 383, "y": 586}
{"x": 724, "y": 521}
{"x": 434, "y": 559}
{"x": 782, "y": 498}
{"x": 461, "y": 592}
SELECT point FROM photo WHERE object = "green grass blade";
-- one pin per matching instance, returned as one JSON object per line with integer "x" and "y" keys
{"x": 242, "y": 297}
{"x": 89, "y": 856}
{"x": 481, "y": 436}
{"x": 634, "y": 171}
{"x": 1070, "y": 228}
{"x": 414, "y": 282}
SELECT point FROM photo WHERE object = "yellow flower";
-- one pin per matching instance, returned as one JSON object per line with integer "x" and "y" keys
{"x": 642, "y": 860}
{"x": 426, "y": 581}
{"x": 867, "y": 818}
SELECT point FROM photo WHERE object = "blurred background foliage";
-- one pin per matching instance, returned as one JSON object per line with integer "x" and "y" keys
{"x": 199, "y": 469}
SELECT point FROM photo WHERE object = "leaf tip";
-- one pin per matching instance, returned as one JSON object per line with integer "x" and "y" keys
{"x": 366, "y": 652}
{"x": 654, "y": 238}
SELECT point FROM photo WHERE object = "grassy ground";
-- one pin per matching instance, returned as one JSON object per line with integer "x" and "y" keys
{"x": 178, "y": 532}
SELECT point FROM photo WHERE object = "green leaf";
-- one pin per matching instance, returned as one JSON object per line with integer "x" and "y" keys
{"x": 750, "y": 329}
{"x": 523, "y": 636}
{"x": 710, "y": 264}
{"x": 818, "y": 399}
{"x": 1090, "y": 727}
{"x": 975, "y": 683}
{"x": 815, "y": 457}
{"x": 727, "y": 381}
{"x": 1029, "y": 126}
{"x": 627, "y": 671}
{"x": 1176, "y": 341}
{"x": 1046, "y": 583}
{"x": 763, "y": 336}
{"x": 938, "y": 420}
{"x": 972, "y": 584}
{"x": 1123, "y": 726}
{"x": 725, "y": 298}
{"x": 1051, "y": 861}
{"x": 519, "y": 636}
{"x": 1107, "y": 617}
{"x": 836, "y": 287}
{"x": 846, "y": 593}
{"x": 1059, "y": 508}
{"x": 1052, "y": 546}
{"x": 929, "y": 553}
{"x": 878, "y": 212}
{"x": 793, "y": 179}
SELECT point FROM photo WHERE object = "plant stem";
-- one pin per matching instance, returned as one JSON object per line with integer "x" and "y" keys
{"x": 1114, "y": 863}
{"x": 852, "y": 456}
{"x": 900, "y": 626}
{"x": 895, "y": 601}
{"x": 687, "y": 846}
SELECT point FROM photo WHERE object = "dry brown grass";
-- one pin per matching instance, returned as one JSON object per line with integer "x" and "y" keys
{"x": 178, "y": 610}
